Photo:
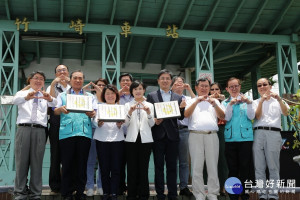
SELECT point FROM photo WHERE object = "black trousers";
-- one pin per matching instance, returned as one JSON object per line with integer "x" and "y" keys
{"x": 110, "y": 156}
{"x": 239, "y": 162}
{"x": 165, "y": 150}
{"x": 55, "y": 161}
{"x": 74, "y": 152}
{"x": 138, "y": 156}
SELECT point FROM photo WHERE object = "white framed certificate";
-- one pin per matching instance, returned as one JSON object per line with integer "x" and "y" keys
{"x": 79, "y": 103}
{"x": 6, "y": 100}
{"x": 111, "y": 113}
{"x": 165, "y": 110}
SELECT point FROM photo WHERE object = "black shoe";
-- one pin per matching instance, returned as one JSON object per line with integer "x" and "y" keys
{"x": 114, "y": 197}
{"x": 263, "y": 199}
{"x": 80, "y": 197}
{"x": 68, "y": 198}
{"x": 105, "y": 197}
{"x": 185, "y": 192}
{"x": 272, "y": 199}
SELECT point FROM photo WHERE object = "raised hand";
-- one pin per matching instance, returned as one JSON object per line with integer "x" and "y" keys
{"x": 202, "y": 98}
{"x": 124, "y": 90}
{"x": 212, "y": 101}
{"x": 31, "y": 95}
{"x": 100, "y": 123}
{"x": 182, "y": 104}
{"x": 46, "y": 96}
{"x": 91, "y": 114}
{"x": 275, "y": 96}
{"x": 145, "y": 108}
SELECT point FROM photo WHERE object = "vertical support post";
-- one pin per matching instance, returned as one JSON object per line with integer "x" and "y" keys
{"x": 9, "y": 65}
{"x": 204, "y": 58}
{"x": 255, "y": 76}
{"x": 287, "y": 74}
{"x": 111, "y": 57}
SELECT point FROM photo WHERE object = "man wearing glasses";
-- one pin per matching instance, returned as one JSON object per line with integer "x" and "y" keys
{"x": 30, "y": 138}
{"x": 267, "y": 139}
{"x": 125, "y": 81}
{"x": 166, "y": 138}
{"x": 203, "y": 112}
{"x": 58, "y": 85}
{"x": 238, "y": 135}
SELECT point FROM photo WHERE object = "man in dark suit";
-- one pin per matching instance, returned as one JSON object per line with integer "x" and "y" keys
{"x": 166, "y": 138}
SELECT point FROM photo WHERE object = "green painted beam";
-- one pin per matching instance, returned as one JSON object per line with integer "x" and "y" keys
{"x": 138, "y": 11}
{"x": 113, "y": 11}
{"x": 154, "y": 32}
{"x": 161, "y": 17}
{"x": 280, "y": 16}
{"x": 37, "y": 44}
{"x": 257, "y": 14}
{"x": 211, "y": 15}
{"x": 262, "y": 62}
{"x": 7, "y": 10}
{"x": 148, "y": 53}
{"x": 61, "y": 18}
{"x": 230, "y": 52}
{"x": 232, "y": 19}
{"x": 254, "y": 20}
{"x": 255, "y": 76}
{"x": 87, "y": 14}
{"x": 172, "y": 47}
{"x": 296, "y": 27}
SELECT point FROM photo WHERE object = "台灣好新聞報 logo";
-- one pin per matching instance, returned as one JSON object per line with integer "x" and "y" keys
{"x": 233, "y": 186}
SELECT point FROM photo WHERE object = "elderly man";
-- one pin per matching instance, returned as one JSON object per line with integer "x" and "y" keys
{"x": 267, "y": 138}
{"x": 58, "y": 85}
{"x": 203, "y": 140}
{"x": 31, "y": 136}
{"x": 75, "y": 135}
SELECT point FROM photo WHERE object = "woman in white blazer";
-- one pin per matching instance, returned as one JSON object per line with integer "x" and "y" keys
{"x": 138, "y": 142}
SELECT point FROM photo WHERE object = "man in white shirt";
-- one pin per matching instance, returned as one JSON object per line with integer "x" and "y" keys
{"x": 58, "y": 85}
{"x": 267, "y": 137}
{"x": 203, "y": 140}
{"x": 31, "y": 136}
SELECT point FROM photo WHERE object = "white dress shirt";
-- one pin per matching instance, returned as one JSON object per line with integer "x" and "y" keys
{"x": 25, "y": 108}
{"x": 108, "y": 132}
{"x": 271, "y": 113}
{"x": 58, "y": 85}
{"x": 139, "y": 121}
{"x": 204, "y": 117}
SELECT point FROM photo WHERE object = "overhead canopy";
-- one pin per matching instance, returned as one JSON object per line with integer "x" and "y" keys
{"x": 239, "y": 30}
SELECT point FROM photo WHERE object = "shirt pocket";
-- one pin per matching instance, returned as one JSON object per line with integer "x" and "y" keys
{"x": 228, "y": 132}
{"x": 86, "y": 126}
{"x": 246, "y": 131}
{"x": 66, "y": 126}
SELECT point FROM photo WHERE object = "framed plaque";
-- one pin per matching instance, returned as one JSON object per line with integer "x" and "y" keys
{"x": 166, "y": 110}
{"x": 6, "y": 100}
{"x": 111, "y": 113}
{"x": 79, "y": 103}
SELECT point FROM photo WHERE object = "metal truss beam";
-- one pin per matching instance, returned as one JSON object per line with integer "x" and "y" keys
{"x": 287, "y": 74}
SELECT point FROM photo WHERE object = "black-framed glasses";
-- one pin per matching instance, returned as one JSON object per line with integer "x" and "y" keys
{"x": 233, "y": 87}
{"x": 264, "y": 84}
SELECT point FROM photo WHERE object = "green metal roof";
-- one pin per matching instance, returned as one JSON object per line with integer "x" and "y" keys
{"x": 231, "y": 58}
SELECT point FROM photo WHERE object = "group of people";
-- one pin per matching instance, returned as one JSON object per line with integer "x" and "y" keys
{"x": 211, "y": 131}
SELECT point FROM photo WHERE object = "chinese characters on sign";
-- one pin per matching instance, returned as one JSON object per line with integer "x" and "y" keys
{"x": 24, "y": 22}
{"x": 126, "y": 29}
{"x": 172, "y": 31}
{"x": 78, "y": 25}
{"x": 280, "y": 186}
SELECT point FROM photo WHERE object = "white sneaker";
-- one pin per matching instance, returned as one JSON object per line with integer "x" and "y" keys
{"x": 212, "y": 197}
{"x": 90, "y": 192}
{"x": 100, "y": 191}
